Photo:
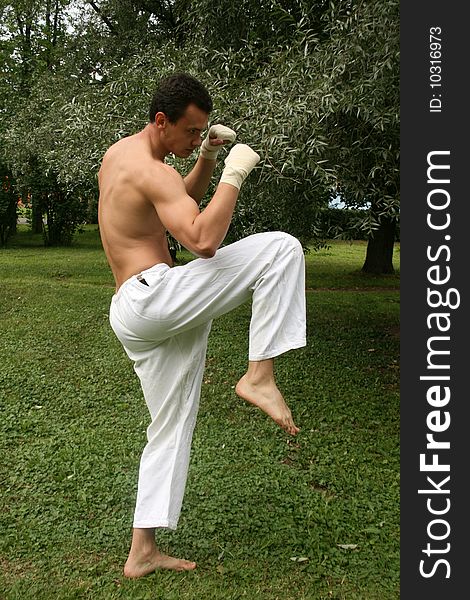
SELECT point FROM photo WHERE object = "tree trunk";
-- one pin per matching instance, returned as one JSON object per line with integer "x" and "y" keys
{"x": 13, "y": 218}
{"x": 379, "y": 256}
{"x": 36, "y": 216}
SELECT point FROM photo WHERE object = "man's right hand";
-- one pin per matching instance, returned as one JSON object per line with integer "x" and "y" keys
{"x": 239, "y": 163}
{"x": 216, "y": 137}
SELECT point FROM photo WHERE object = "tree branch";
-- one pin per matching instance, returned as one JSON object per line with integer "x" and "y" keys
{"x": 103, "y": 17}
{"x": 56, "y": 23}
{"x": 160, "y": 9}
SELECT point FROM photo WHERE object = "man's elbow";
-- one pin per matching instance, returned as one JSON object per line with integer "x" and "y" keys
{"x": 204, "y": 249}
{"x": 207, "y": 252}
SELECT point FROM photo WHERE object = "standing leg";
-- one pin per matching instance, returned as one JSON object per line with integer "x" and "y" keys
{"x": 144, "y": 556}
{"x": 171, "y": 376}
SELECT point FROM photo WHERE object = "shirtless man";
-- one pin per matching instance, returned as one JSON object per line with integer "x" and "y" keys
{"x": 162, "y": 314}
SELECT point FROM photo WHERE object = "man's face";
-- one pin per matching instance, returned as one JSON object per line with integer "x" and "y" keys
{"x": 184, "y": 136}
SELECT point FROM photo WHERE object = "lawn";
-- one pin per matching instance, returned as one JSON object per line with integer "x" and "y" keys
{"x": 265, "y": 516}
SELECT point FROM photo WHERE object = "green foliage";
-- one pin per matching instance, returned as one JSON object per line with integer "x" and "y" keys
{"x": 362, "y": 120}
{"x": 35, "y": 34}
{"x": 345, "y": 223}
{"x": 325, "y": 116}
{"x": 31, "y": 145}
{"x": 312, "y": 86}
{"x": 65, "y": 213}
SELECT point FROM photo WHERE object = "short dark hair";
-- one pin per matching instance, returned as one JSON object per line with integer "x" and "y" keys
{"x": 175, "y": 93}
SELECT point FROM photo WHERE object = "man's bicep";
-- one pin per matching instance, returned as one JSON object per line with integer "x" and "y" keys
{"x": 177, "y": 212}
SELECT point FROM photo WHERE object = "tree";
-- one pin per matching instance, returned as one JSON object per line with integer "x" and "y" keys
{"x": 313, "y": 86}
{"x": 324, "y": 115}
{"x": 34, "y": 34}
{"x": 361, "y": 121}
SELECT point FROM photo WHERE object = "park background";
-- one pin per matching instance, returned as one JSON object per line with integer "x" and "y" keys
{"x": 313, "y": 87}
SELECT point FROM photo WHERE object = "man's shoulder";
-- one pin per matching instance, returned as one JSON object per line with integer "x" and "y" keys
{"x": 116, "y": 153}
{"x": 157, "y": 181}
{"x": 167, "y": 170}
{"x": 163, "y": 174}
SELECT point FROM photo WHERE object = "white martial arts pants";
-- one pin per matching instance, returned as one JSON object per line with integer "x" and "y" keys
{"x": 164, "y": 327}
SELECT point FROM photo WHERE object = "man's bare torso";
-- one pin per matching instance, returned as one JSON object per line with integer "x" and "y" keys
{"x": 132, "y": 234}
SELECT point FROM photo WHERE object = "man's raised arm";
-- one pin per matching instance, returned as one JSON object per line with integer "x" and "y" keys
{"x": 203, "y": 232}
{"x": 197, "y": 181}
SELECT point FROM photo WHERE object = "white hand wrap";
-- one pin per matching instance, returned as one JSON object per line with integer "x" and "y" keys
{"x": 240, "y": 161}
{"x": 216, "y": 131}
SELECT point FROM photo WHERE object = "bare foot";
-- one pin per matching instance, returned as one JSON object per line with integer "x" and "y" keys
{"x": 268, "y": 398}
{"x": 138, "y": 565}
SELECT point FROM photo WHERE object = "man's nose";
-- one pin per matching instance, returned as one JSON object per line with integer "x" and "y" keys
{"x": 197, "y": 141}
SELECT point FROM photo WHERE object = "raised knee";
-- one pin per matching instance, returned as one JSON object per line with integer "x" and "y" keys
{"x": 291, "y": 241}
{"x": 281, "y": 241}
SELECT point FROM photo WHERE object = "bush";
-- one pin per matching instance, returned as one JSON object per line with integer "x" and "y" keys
{"x": 65, "y": 214}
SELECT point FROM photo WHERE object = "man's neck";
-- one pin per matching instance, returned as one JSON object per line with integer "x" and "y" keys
{"x": 157, "y": 149}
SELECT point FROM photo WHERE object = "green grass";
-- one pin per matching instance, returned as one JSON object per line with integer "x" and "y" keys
{"x": 73, "y": 427}
{"x": 339, "y": 267}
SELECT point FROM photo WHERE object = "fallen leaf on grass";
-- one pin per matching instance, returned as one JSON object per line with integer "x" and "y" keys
{"x": 347, "y": 546}
{"x": 300, "y": 559}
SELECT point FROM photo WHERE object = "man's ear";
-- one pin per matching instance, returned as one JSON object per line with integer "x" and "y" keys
{"x": 161, "y": 120}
